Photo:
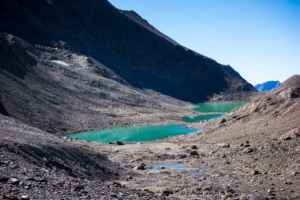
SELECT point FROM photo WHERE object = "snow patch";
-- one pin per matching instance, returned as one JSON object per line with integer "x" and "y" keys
{"x": 60, "y": 62}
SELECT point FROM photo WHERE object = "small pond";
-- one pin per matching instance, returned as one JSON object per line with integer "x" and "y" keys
{"x": 133, "y": 133}
{"x": 170, "y": 166}
{"x": 200, "y": 117}
{"x": 217, "y": 107}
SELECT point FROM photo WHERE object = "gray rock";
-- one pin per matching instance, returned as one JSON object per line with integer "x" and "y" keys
{"x": 205, "y": 192}
{"x": 79, "y": 187}
{"x": 248, "y": 150}
{"x": 167, "y": 192}
{"x": 224, "y": 145}
{"x": 295, "y": 173}
{"x": 194, "y": 153}
{"x": 3, "y": 179}
{"x": 140, "y": 167}
{"x": 120, "y": 143}
{"x": 14, "y": 181}
{"x": 223, "y": 121}
{"x": 254, "y": 172}
{"x": 24, "y": 197}
{"x": 114, "y": 195}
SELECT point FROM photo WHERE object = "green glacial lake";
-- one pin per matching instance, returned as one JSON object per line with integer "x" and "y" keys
{"x": 133, "y": 133}
{"x": 217, "y": 107}
{"x": 200, "y": 117}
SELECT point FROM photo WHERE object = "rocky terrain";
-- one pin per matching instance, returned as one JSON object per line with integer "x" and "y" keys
{"x": 250, "y": 153}
{"x": 69, "y": 66}
{"x": 74, "y": 59}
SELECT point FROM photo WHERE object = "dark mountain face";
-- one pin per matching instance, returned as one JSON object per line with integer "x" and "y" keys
{"x": 142, "y": 58}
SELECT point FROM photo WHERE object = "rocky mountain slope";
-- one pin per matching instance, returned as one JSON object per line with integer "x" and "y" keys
{"x": 74, "y": 65}
{"x": 67, "y": 66}
{"x": 266, "y": 86}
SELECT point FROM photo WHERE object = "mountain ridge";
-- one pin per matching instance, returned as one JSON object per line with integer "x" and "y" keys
{"x": 129, "y": 49}
{"x": 268, "y": 85}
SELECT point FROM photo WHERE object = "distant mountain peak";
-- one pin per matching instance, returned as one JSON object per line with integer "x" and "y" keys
{"x": 266, "y": 86}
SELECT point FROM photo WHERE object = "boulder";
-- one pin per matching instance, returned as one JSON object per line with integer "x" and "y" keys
{"x": 79, "y": 187}
{"x": 223, "y": 121}
{"x": 194, "y": 153}
{"x": 25, "y": 197}
{"x": 248, "y": 150}
{"x": 167, "y": 192}
{"x": 3, "y": 179}
{"x": 14, "y": 181}
{"x": 254, "y": 172}
{"x": 120, "y": 143}
{"x": 140, "y": 167}
{"x": 224, "y": 145}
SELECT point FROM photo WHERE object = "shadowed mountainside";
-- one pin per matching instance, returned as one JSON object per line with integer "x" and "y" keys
{"x": 67, "y": 66}
{"x": 141, "y": 58}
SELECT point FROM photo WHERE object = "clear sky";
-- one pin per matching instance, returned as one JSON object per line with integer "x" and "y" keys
{"x": 258, "y": 38}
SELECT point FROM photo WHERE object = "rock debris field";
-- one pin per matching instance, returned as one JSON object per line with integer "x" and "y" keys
{"x": 252, "y": 154}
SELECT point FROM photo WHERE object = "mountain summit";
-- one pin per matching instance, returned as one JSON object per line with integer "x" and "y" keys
{"x": 269, "y": 85}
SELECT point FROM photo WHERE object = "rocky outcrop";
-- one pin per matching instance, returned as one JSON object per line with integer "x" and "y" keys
{"x": 275, "y": 100}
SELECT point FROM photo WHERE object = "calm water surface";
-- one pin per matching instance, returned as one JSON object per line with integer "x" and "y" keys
{"x": 220, "y": 107}
{"x": 200, "y": 117}
{"x": 170, "y": 166}
{"x": 133, "y": 133}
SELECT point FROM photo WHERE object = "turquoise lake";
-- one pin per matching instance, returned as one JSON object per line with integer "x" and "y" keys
{"x": 133, "y": 133}
{"x": 200, "y": 117}
{"x": 217, "y": 107}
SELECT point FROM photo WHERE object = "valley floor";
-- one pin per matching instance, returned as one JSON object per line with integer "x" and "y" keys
{"x": 250, "y": 153}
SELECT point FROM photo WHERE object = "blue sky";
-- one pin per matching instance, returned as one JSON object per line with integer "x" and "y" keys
{"x": 259, "y": 38}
